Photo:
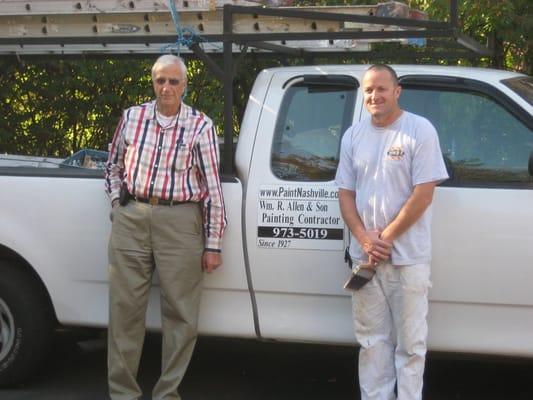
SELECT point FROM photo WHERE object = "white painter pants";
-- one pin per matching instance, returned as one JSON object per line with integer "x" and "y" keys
{"x": 390, "y": 325}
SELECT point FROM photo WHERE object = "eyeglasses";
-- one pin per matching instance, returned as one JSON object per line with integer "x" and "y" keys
{"x": 171, "y": 81}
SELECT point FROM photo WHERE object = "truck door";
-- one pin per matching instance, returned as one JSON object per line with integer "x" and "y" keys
{"x": 482, "y": 215}
{"x": 296, "y": 236}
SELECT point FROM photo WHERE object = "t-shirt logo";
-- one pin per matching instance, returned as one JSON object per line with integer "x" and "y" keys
{"x": 395, "y": 153}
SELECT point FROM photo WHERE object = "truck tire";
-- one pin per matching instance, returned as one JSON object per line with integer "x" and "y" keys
{"x": 26, "y": 323}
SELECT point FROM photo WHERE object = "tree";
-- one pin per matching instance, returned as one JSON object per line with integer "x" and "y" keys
{"x": 55, "y": 107}
{"x": 505, "y": 25}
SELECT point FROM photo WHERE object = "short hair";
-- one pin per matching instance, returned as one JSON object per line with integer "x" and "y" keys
{"x": 170, "y": 59}
{"x": 389, "y": 69}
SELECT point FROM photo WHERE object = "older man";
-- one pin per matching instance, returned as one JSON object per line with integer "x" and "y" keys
{"x": 389, "y": 166}
{"x": 168, "y": 215}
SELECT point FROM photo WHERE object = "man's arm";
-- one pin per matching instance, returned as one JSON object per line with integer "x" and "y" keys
{"x": 428, "y": 170}
{"x": 214, "y": 211}
{"x": 410, "y": 212}
{"x": 114, "y": 168}
{"x": 376, "y": 247}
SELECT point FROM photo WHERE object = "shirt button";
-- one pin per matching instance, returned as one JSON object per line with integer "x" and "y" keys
{"x": 159, "y": 147}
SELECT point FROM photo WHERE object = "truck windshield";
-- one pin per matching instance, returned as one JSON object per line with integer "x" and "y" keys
{"x": 523, "y": 86}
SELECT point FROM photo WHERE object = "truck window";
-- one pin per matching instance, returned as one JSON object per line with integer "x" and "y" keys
{"x": 523, "y": 86}
{"x": 482, "y": 141}
{"x": 309, "y": 128}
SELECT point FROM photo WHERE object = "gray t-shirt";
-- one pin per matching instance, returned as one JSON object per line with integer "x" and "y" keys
{"x": 382, "y": 166}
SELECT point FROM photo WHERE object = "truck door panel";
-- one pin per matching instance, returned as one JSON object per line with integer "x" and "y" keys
{"x": 296, "y": 252}
{"x": 482, "y": 257}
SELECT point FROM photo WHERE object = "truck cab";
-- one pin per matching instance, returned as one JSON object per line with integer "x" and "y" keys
{"x": 296, "y": 238}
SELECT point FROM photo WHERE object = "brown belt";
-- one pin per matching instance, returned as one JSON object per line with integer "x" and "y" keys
{"x": 156, "y": 201}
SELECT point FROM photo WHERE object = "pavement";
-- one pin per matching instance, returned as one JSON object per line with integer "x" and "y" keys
{"x": 239, "y": 369}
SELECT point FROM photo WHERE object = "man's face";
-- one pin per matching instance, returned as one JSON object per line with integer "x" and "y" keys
{"x": 169, "y": 84}
{"x": 380, "y": 94}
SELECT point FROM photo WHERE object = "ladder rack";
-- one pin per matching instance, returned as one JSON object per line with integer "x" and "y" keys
{"x": 145, "y": 26}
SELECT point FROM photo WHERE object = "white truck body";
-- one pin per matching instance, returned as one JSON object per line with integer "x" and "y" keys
{"x": 283, "y": 284}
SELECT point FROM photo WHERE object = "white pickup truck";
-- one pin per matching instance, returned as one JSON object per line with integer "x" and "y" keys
{"x": 283, "y": 251}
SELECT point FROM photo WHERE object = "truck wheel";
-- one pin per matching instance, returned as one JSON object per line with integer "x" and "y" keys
{"x": 26, "y": 323}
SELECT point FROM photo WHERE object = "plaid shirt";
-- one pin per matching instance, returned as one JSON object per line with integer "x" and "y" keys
{"x": 178, "y": 162}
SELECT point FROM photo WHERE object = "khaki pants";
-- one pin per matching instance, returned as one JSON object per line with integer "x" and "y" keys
{"x": 143, "y": 238}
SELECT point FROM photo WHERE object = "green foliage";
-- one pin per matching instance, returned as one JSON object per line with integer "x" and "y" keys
{"x": 507, "y": 25}
{"x": 204, "y": 92}
{"x": 56, "y": 107}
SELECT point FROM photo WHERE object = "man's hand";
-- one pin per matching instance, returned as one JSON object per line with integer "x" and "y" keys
{"x": 211, "y": 260}
{"x": 371, "y": 242}
{"x": 375, "y": 247}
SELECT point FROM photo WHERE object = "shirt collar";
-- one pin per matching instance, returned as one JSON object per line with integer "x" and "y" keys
{"x": 184, "y": 112}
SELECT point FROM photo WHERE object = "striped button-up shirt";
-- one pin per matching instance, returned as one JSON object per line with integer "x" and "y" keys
{"x": 178, "y": 162}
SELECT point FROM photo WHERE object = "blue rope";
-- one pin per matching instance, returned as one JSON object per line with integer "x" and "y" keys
{"x": 175, "y": 16}
{"x": 186, "y": 36}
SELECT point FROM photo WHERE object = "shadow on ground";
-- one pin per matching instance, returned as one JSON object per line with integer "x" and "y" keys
{"x": 238, "y": 369}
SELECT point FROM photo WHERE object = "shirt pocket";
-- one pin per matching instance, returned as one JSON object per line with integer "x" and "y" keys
{"x": 183, "y": 157}
{"x": 397, "y": 161}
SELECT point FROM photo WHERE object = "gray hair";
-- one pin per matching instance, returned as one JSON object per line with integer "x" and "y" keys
{"x": 170, "y": 59}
